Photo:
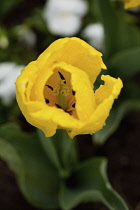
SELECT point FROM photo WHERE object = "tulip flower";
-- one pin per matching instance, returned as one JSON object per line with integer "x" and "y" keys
{"x": 57, "y": 90}
{"x": 131, "y": 3}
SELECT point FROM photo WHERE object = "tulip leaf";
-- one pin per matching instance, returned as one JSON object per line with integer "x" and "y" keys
{"x": 36, "y": 176}
{"x": 114, "y": 119}
{"x": 10, "y": 155}
{"x": 88, "y": 183}
{"x": 119, "y": 35}
{"x": 61, "y": 150}
{"x": 6, "y": 6}
{"x": 126, "y": 63}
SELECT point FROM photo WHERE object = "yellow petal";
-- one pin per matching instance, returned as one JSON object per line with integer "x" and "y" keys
{"x": 85, "y": 101}
{"x": 112, "y": 86}
{"x": 104, "y": 97}
{"x": 35, "y": 110}
{"x": 76, "y": 52}
{"x": 131, "y": 3}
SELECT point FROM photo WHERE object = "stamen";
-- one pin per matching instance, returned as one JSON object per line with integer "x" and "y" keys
{"x": 73, "y": 92}
{"x": 49, "y": 87}
{"x": 62, "y": 77}
{"x": 69, "y": 112}
{"x": 61, "y": 91}
{"x": 58, "y": 106}
{"x": 73, "y": 105}
{"x": 47, "y": 100}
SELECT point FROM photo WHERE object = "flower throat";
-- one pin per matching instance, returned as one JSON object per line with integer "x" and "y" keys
{"x": 61, "y": 91}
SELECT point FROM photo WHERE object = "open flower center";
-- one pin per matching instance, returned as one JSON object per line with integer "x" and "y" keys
{"x": 61, "y": 91}
{"x": 58, "y": 92}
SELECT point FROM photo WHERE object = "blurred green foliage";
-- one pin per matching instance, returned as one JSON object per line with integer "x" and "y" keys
{"x": 6, "y": 6}
{"x": 45, "y": 167}
{"x": 48, "y": 173}
{"x": 122, "y": 39}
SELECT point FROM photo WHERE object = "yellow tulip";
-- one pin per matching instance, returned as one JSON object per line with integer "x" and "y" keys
{"x": 131, "y": 3}
{"x": 56, "y": 91}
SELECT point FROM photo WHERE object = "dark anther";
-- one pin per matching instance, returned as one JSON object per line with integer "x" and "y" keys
{"x": 73, "y": 105}
{"x": 69, "y": 112}
{"x": 73, "y": 92}
{"x": 62, "y": 77}
{"x": 58, "y": 106}
{"x": 49, "y": 87}
{"x": 47, "y": 100}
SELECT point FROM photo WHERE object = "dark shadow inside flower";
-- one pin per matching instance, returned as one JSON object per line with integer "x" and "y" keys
{"x": 58, "y": 92}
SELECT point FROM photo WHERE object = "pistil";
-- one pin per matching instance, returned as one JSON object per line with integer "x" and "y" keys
{"x": 61, "y": 91}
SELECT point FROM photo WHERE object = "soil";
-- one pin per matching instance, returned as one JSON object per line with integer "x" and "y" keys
{"x": 123, "y": 152}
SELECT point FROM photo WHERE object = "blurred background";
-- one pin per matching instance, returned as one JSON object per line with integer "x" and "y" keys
{"x": 27, "y": 28}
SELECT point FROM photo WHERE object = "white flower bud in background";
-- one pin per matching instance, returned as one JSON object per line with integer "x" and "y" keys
{"x": 8, "y": 74}
{"x": 94, "y": 33}
{"x": 64, "y": 17}
{"x": 26, "y": 35}
{"x": 4, "y": 42}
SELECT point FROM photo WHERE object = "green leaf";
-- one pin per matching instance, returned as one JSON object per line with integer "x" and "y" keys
{"x": 114, "y": 119}
{"x": 37, "y": 20}
{"x": 10, "y": 155}
{"x": 119, "y": 35}
{"x": 130, "y": 91}
{"x": 126, "y": 63}
{"x": 36, "y": 176}
{"x": 90, "y": 183}
{"x": 6, "y": 6}
{"x": 61, "y": 150}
